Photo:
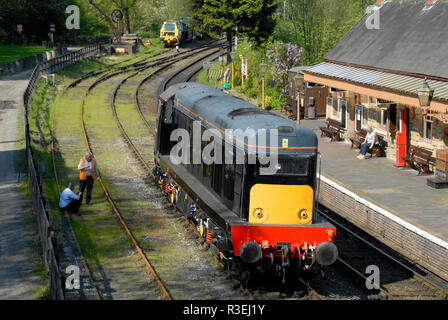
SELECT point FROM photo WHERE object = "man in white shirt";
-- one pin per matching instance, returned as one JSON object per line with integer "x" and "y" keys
{"x": 88, "y": 171}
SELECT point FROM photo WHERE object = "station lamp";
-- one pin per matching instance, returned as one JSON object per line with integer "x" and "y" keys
{"x": 425, "y": 94}
{"x": 263, "y": 67}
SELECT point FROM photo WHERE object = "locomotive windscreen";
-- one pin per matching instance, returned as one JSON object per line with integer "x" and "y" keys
{"x": 293, "y": 165}
{"x": 169, "y": 27}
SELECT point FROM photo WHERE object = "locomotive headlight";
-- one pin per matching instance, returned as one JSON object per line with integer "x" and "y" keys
{"x": 303, "y": 215}
{"x": 259, "y": 213}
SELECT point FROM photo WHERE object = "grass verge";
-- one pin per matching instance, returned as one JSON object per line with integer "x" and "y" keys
{"x": 10, "y": 53}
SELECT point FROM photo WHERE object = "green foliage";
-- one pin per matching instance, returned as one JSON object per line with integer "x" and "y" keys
{"x": 317, "y": 25}
{"x": 237, "y": 79}
{"x": 254, "y": 18}
{"x": 34, "y": 15}
{"x": 13, "y": 53}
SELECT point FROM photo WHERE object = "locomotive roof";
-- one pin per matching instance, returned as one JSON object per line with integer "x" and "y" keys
{"x": 219, "y": 110}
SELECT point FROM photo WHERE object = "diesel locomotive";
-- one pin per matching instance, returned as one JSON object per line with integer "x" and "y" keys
{"x": 255, "y": 202}
{"x": 176, "y": 32}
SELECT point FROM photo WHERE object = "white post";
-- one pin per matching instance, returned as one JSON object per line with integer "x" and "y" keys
{"x": 236, "y": 38}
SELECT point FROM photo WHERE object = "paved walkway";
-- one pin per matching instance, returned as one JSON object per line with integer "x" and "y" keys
{"x": 17, "y": 279}
{"x": 401, "y": 192}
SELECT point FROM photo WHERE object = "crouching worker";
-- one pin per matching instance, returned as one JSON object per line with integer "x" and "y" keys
{"x": 69, "y": 200}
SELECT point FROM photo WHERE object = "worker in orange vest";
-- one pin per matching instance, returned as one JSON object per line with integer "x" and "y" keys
{"x": 88, "y": 171}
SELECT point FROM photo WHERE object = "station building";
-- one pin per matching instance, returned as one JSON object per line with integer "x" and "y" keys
{"x": 373, "y": 75}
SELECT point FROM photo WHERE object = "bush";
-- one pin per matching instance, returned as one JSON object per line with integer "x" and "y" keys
{"x": 268, "y": 102}
{"x": 277, "y": 102}
{"x": 237, "y": 79}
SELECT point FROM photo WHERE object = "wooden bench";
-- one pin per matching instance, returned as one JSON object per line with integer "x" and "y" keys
{"x": 377, "y": 150}
{"x": 358, "y": 138}
{"x": 333, "y": 129}
{"x": 418, "y": 157}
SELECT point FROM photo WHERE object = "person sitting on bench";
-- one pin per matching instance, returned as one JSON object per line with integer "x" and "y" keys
{"x": 370, "y": 140}
{"x": 69, "y": 200}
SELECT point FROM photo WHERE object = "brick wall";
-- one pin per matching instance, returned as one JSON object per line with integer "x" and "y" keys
{"x": 416, "y": 245}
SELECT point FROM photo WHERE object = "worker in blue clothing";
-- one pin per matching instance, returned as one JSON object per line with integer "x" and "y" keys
{"x": 70, "y": 201}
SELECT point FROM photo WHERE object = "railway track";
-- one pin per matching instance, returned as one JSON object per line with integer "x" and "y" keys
{"x": 148, "y": 264}
{"x": 399, "y": 279}
{"x": 82, "y": 263}
{"x": 181, "y": 75}
{"x": 103, "y": 78}
{"x": 144, "y": 160}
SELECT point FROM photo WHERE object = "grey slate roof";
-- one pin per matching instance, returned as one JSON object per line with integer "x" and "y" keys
{"x": 395, "y": 82}
{"x": 411, "y": 39}
{"x": 298, "y": 69}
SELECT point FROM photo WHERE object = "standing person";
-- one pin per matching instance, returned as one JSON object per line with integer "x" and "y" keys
{"x": 70, "y": 201}
{"x": 88, "y": 170}
{"x": 369, "y": 141}
{"x": 226, "y": 79}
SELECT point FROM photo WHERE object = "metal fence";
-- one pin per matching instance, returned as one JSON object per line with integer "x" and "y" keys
{"x": 41, "y": 205}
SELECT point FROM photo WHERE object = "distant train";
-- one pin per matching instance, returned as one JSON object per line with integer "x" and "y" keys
{"x": 256, "y": 220}
{"x": 176, "y": 32}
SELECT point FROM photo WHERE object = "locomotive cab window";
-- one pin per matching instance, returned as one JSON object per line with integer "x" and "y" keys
{"x": 169, "y": 27}
{"x": 291, "y": 166}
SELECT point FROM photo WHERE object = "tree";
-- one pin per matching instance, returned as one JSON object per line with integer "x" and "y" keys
{"x": 126, "y": 6}
{"x": 34, "y": 15}
{"x": 100, "y": 8}
{"x": 283, "y": 57}
{"x": 317, "y": 25}
{"x": 254, "y": 18}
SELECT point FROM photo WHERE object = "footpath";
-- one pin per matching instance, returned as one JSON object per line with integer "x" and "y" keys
{"x": 17, "y": 261}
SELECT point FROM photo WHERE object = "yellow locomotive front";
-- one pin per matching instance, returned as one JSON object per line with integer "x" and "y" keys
{"x": 169, "y": 33}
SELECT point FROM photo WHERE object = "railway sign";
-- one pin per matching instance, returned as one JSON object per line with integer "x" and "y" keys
{"x": 243, "y": 69}
{"x": 207, "y": 65}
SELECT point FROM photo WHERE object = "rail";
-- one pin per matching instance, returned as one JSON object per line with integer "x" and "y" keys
{"x": 41, "y": 206}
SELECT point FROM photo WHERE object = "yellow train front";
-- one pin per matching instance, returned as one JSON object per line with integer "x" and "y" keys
{"x": 175, "y": 32}
{"x": 254, "y": 196}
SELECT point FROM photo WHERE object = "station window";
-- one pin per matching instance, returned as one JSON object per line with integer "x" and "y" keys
{"x": 384, "y": 117}
{"x": 381, "y": 101}
{"x": 427, "y": 128}
{"x": 330, "y": 103}
{"x": 339, "y": 106}
{"x": 314, "y": 85}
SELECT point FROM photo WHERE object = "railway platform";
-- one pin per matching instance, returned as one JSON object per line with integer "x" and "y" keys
{"x": 393, "y": 205}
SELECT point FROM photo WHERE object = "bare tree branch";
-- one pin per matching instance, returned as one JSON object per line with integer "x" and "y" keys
{"x": 106, "y": 16}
